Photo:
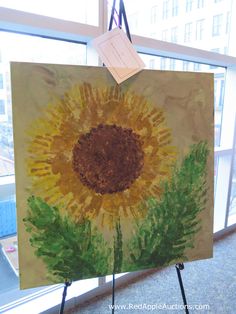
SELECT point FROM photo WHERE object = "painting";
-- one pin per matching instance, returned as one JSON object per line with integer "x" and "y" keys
{"x": 110, "y": 178}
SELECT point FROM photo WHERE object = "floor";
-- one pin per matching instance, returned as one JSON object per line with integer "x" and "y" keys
{"x": 210, "y": 287}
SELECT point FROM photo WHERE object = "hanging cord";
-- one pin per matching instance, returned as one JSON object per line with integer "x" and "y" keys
{"x": 112, "y": 18}
{"x": 122, "y": 14}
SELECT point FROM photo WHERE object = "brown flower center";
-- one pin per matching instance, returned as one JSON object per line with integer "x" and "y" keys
{"x": 108, "y": 159}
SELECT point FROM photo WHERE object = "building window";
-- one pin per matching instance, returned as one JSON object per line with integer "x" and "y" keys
{"x": 164, "y": 35}
{"x": 189, "y": 5}
{"x": 151, "y": 63}
{"x": 197, "y": 67}
{"x": 222, "y": 89}
{"x": 1, "y": 81}
{"x": 154, "y": 11}
{"x": 199, "y": 29}
{"x": 186, "y": 65}
{"x": 188, "y": 32}
{"x": 175, "y": 7}
{"x": 227, "y": 23}
{"x": 217, "y": 24}
{"x": 165, "y": 9}
{"x": 216, "y": 1}
{"x": 200, "y": 4}
{"x": 174, "y": 34}
{"x": 163, "y": 63}
{"x": 2, "y": 107}
{"x": 172, "y": 64}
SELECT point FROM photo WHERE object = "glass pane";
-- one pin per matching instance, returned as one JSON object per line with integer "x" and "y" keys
{"x": 15, "y": 47}
{"x": 162, "y": 63}
{"x": 201, "y": 24}
{"x": 71, "y": 10}
{"x": 232, "y": 204}
{"x": 216, "y": 163}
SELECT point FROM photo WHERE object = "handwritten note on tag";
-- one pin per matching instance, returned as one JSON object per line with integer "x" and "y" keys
{"x": 118, "y": 54}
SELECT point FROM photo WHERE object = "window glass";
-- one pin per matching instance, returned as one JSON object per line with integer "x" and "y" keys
{"x": 201, "y": 24}
{"x": 15, "y": 47}
{"x": 217, "y": 25}
{"x": 1, "y": 80}
{"x": 162, "y": 63}
{"x": 232, "y": 203}
{"x": 216, "y": 163}
{"x": 71, "y": 10}
{"x": 175, "y": 7}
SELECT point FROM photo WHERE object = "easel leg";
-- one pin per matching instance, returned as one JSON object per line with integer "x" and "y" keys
{"x": 178, "y": 268}
{"x": 113, "y": 293}
{"x": 67, "y": 284}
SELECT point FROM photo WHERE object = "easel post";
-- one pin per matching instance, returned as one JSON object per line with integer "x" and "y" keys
{"x": 67, "y": 284}
{"x": 179, "y": 267}
{"x": 122, "y": 14}
{"x": 113, "y": 293}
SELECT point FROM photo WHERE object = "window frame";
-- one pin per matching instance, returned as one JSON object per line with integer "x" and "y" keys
{"x": 175, "y": 8}
{"x": 217, "y": 24}
{"x": 188, "y": 31}
{"x": 200, "y": 29}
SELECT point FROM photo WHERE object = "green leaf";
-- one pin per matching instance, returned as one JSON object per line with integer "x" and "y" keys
{"x": 70, "y": 250}
{"x": 172, "y": 222}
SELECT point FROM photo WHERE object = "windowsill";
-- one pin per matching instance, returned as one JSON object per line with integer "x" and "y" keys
{"x": 7, "y": 179}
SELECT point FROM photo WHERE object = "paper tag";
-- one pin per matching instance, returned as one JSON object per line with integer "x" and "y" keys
{"x": 118, "y": 54}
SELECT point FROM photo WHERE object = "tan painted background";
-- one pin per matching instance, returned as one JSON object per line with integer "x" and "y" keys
{"x": 187, "y": 99}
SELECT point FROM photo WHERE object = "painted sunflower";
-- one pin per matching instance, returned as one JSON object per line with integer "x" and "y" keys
{"x": 100, "y": 153}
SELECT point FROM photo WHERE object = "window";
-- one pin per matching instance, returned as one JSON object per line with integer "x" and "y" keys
{"x": 200, "y": 4}
{"x": 227, "y": 23}
{"x": 225, "y": 93}
{"x": 165, "y": 9}
{"x": 189, "y": 5}
{"x": 152, "y": 64}
{"x": 164, "y": 35}
{"x": 186, "y": 65}
{"x": 197, "y": 67}
{"x": 2, "y": 107}
{"x": 174, "y": 34}
{"x": 199, "y": 29}
{"x": 217, "y": 24}
{"x": 201, "y": 17}
{"x": 1, "y": 81}
{"x": 222, "y": 89}
{"x": 216, "y": 1}
{"x": 163, "y": 63}
{"x": 154, "y": 12}
{"x": 172, "y": 64}
{"x": 175, "y": 7}
{"x": 232, "y": 204}
{"x": 65, "y": 10}
{"x": 188, "y": 32}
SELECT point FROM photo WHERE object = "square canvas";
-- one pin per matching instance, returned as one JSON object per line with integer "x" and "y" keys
{"x": 110, "y": 178}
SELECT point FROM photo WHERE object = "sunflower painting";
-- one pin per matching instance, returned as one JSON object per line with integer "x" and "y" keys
{"x": 110, "y": 178}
